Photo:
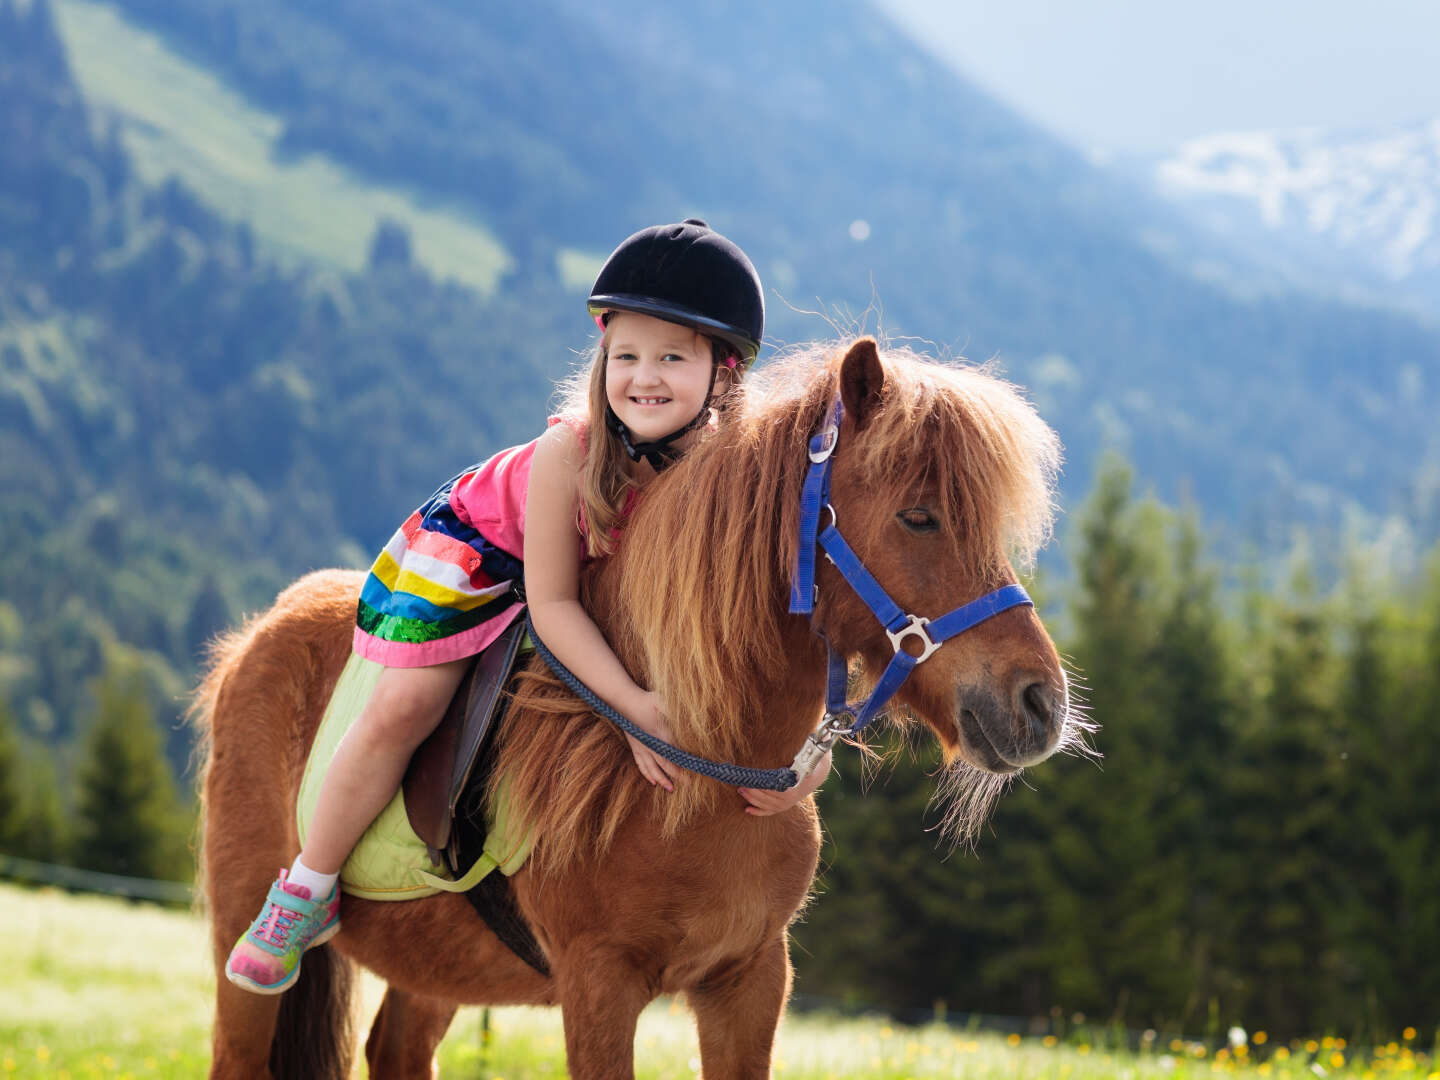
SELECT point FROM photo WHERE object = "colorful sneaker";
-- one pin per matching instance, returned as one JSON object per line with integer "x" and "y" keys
{"x": 266, "y": 959}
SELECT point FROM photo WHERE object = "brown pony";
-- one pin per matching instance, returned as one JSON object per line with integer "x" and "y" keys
{"x": 942, "y": 475}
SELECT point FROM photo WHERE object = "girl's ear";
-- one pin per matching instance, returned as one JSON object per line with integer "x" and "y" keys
{"x": 726, "y": 381}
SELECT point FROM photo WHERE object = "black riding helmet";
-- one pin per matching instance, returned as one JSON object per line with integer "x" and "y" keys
{"x": 688, "y": 274}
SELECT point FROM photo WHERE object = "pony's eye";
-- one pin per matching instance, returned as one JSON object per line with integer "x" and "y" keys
{"x": 918, "y": 520}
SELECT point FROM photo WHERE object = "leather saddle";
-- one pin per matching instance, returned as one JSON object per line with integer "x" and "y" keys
{"x": 444, "y": 788}
{"x": 443, "y": 766}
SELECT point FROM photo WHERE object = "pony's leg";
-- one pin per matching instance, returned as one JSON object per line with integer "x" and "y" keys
{"x": 406, "y": 1032}
{"x": 244, "y": 1027}
{"x": 737, "y": 1012}
{"x": 601, "y": 995}
{"x": 245, "y": 844}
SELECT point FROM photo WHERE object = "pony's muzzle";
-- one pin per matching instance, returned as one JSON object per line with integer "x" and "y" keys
{"x": 1004, "y": 735}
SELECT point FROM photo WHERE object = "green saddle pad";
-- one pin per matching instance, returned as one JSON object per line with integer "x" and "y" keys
{"x": 390, "y": 862}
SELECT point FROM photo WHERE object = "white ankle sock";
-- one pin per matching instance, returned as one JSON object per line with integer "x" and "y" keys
{"x": 319, "y": 884}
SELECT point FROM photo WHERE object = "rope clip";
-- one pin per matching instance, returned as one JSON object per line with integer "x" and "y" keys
{"x": 818, "y": 743}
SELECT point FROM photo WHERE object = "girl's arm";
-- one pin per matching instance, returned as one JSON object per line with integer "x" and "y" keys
{"x": 552, "y": 588}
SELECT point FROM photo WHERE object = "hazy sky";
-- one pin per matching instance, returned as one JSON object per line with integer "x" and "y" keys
{"x": 1142, "y": 74}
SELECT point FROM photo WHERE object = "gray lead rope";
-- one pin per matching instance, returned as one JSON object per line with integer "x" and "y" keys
{"x": 726, "y": 773}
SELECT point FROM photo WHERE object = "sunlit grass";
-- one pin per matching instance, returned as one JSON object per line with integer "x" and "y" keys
{"x": 105, "y": 988}
{"x": 529, "y": 1045}
{"x": 178, "y": 119}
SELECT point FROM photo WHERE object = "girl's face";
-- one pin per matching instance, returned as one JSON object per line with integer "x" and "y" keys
{"x": 656, "y": 375}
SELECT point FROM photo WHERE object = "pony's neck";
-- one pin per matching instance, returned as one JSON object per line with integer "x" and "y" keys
{"x": 788, "y": 706}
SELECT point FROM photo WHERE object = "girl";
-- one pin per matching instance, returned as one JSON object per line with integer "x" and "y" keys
{"x": 681, "y": 315}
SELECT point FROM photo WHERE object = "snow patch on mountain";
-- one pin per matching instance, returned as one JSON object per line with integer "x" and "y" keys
{"x": 1375, "y": 198}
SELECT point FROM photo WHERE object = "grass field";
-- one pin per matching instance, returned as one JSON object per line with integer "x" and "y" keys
{"x": 96, "y": 987}
{"x": 177, "y": 119}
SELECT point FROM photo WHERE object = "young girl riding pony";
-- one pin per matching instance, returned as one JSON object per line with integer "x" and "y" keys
{"x": 681, "y": 315}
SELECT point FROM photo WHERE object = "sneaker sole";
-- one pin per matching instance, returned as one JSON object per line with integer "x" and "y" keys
{"x": 247, "y": 983}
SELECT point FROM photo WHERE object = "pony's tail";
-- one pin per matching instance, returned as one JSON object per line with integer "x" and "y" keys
{"x": 315, "y": 1031}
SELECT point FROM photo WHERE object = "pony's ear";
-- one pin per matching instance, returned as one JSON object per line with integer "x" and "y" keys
{"x": 862, "y": 379}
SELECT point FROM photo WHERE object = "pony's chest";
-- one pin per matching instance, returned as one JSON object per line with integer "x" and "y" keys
{"x": 743, "y": 895}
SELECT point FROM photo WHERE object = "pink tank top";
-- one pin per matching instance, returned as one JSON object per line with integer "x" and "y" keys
{"x": 492, "y": 497}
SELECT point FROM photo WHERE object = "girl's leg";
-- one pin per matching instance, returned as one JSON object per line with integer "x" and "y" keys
{"x": 362, "y": 777}
{"x": 370, "y": 761}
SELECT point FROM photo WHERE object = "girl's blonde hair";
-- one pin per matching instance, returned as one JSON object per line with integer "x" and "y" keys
{"x": 605, "y": 482}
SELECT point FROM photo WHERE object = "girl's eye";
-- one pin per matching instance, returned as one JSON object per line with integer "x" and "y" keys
{"x": 675, "y": 356}
{"x": 918, "y": 520}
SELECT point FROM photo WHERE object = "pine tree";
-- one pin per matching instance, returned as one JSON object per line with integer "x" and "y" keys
{"x": 46, "y": 838}
{"x": 1195, "y": 705}
{"x": 1133, "y": 881}
{"x": 390, "y": 245}
{"x": 1286, "y": 787}
{"x": 1079, "y": 846}
{"x": 12, "y": 810}
{"x": 1390, "y": 918}
{"x": 128, "y": 819}
{"x": 209, "y": 614}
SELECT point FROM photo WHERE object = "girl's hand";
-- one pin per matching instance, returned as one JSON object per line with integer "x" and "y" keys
{"x": 765, "y": 803}
{"x": 650, "y": 718}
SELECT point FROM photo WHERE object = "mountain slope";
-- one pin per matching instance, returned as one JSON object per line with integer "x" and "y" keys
{"x": 563, "y": 125}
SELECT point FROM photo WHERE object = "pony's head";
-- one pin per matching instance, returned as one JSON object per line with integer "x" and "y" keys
{"x": 943, "y": 476}
{"x": 942, "y": 481}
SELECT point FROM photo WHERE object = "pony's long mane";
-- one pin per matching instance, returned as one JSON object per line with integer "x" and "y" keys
{"x": 694, "y": 601}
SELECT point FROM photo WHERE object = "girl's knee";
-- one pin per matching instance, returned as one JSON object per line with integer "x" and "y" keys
{"x": 407, "y": 703}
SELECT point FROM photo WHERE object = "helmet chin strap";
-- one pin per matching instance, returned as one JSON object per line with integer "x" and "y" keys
{"x": 659, "y": 452}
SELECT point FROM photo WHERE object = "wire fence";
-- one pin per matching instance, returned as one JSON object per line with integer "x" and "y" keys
{"x": 75, "y": 879}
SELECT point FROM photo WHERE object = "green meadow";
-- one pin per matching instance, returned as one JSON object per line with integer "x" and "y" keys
{"x": 177, "y": 119}
{"x": 105, "y": 988}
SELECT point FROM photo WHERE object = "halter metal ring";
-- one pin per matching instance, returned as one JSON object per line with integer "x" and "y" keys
{"x": 916, "y": 628}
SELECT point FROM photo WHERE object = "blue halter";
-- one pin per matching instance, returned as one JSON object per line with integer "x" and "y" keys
{"x": 841, "y": 717}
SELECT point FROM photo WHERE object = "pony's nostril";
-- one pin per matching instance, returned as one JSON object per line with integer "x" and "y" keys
{"x": 1037, "y": 710}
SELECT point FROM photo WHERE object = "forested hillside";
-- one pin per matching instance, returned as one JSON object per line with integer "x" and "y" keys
{"x": 185, "y": 425}
{"x": 564, "y": 124}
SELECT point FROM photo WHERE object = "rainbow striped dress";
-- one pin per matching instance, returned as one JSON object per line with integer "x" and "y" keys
{"x": 447, "y": 584}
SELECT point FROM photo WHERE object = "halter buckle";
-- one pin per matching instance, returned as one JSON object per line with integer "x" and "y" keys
{"x": 827, "y": 438}
{"x": 915, "y": 628}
